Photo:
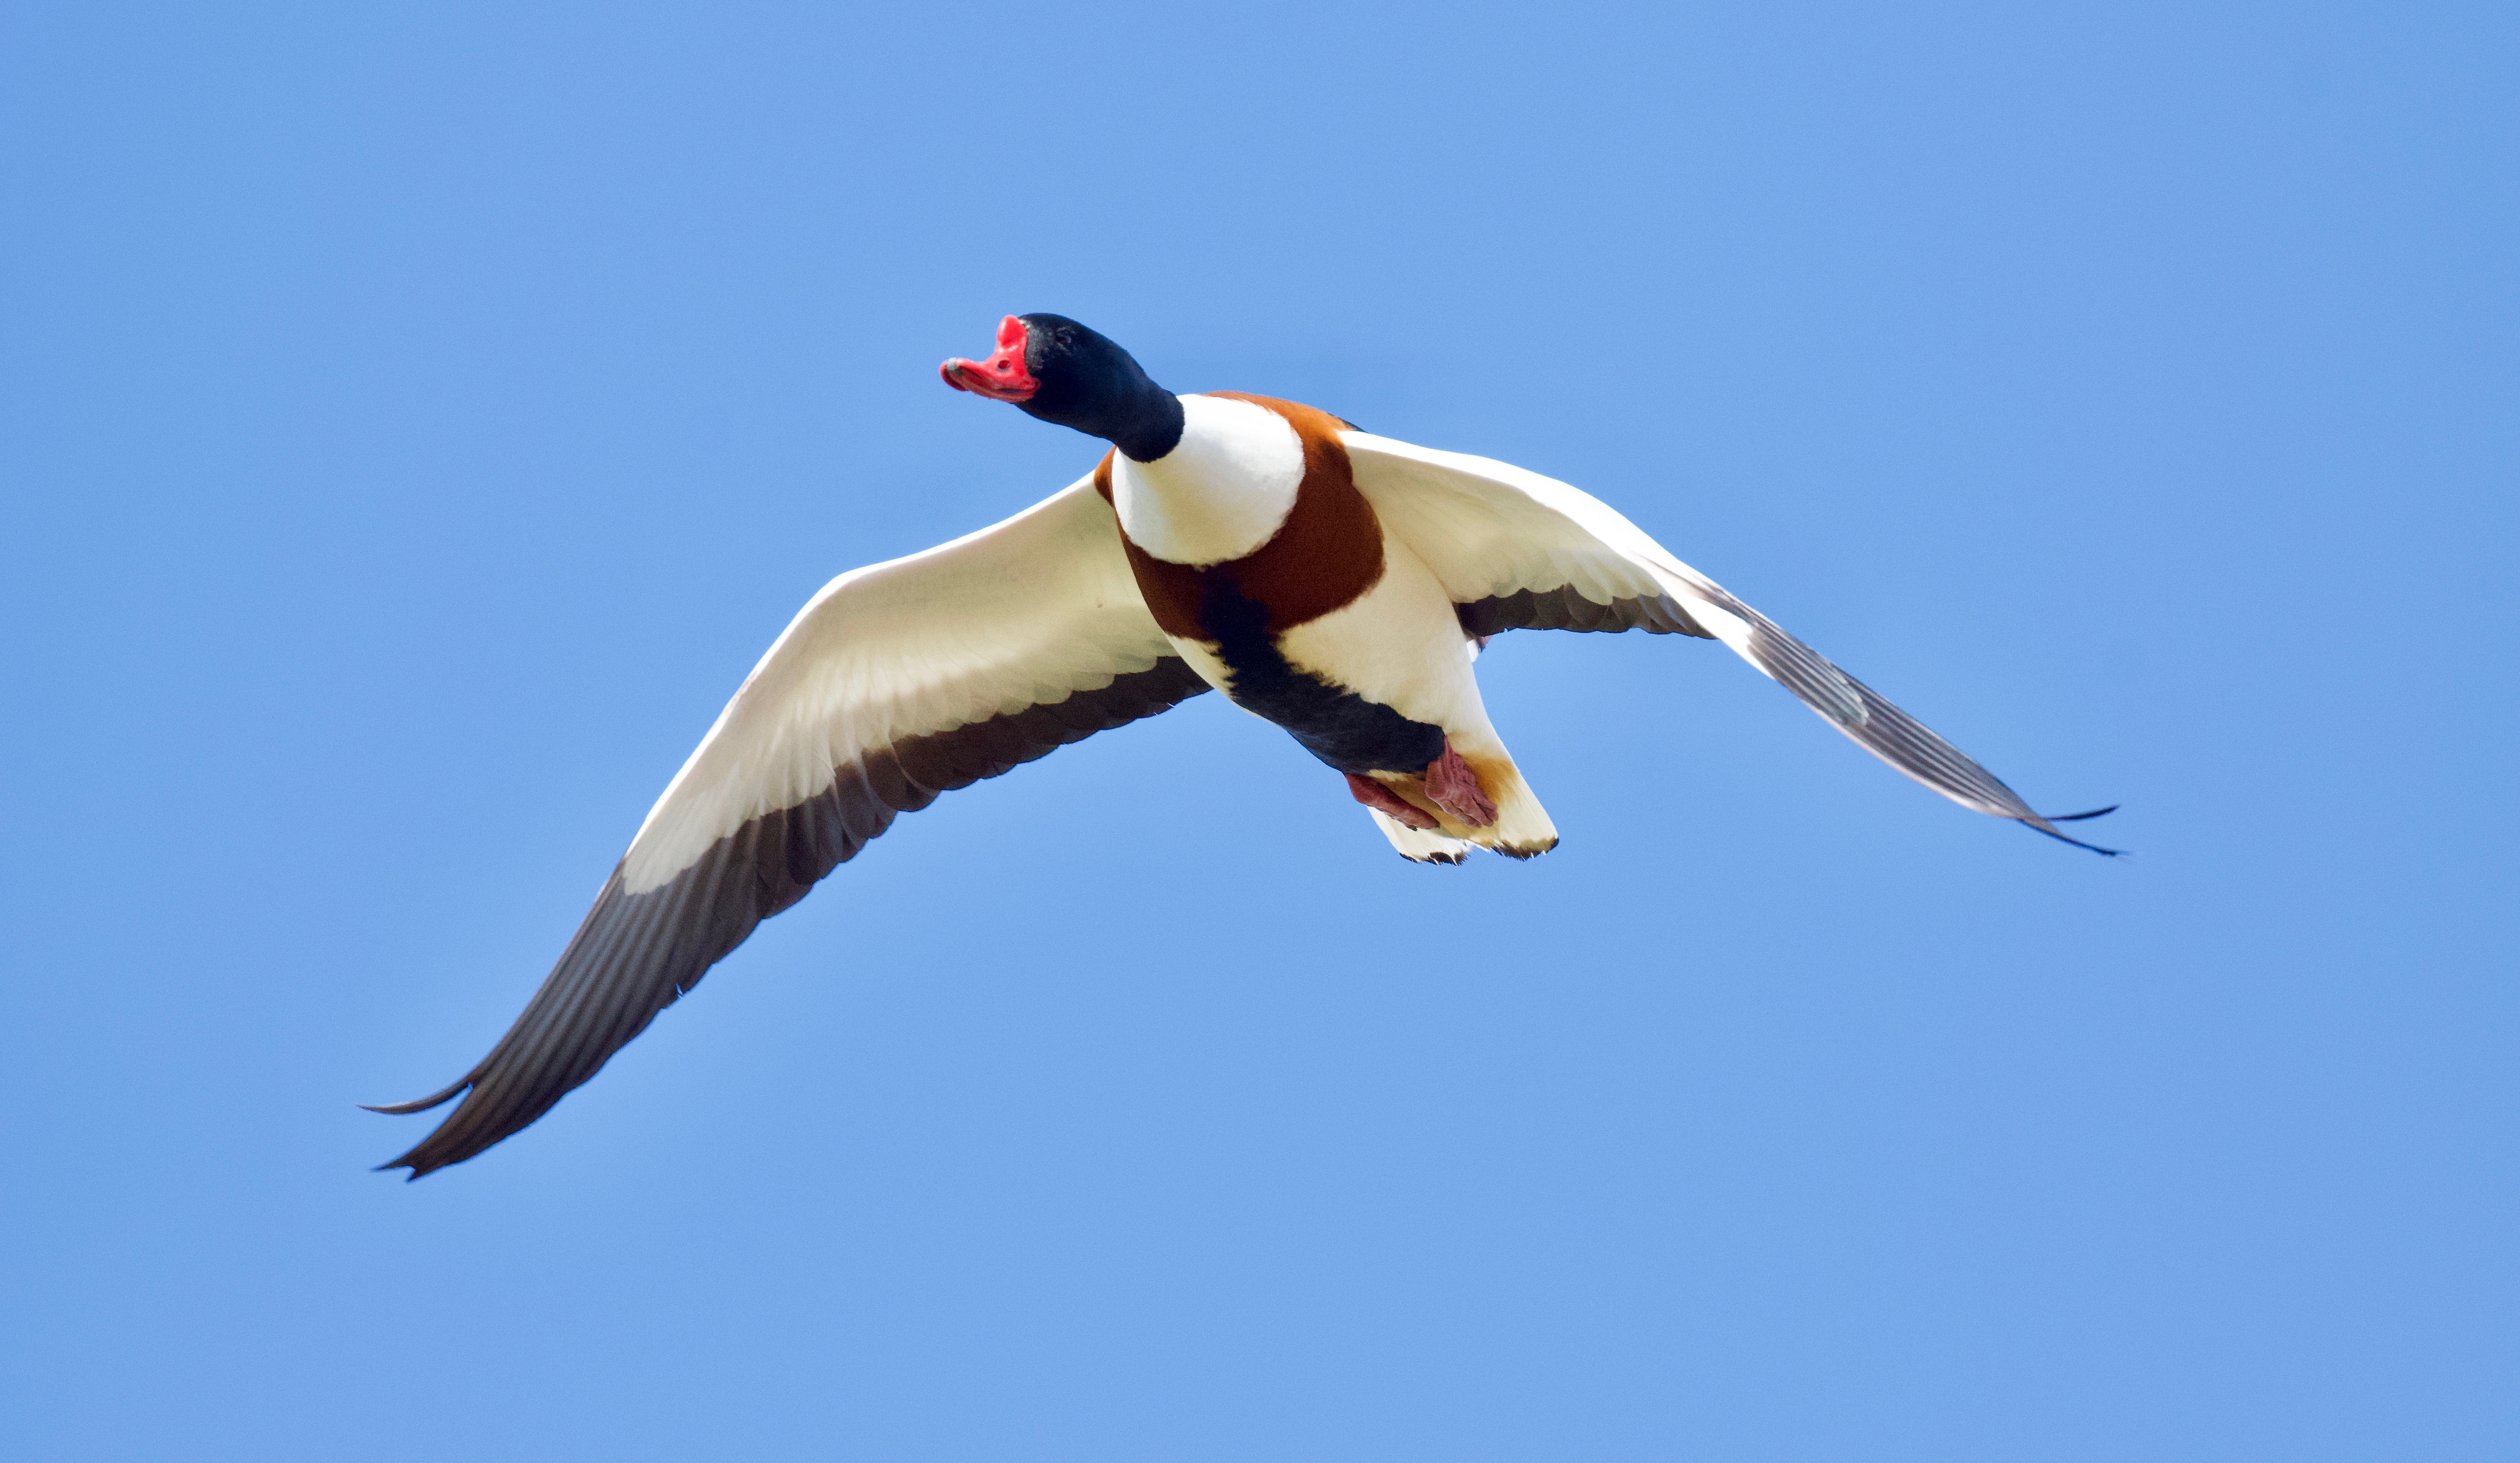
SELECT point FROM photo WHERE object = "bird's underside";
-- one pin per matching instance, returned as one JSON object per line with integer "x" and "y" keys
{"x": 909, "y": 679}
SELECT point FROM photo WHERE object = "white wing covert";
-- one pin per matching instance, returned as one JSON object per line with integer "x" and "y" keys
{"x": 897, "y": 682}
{"x": 1519, "y": 551}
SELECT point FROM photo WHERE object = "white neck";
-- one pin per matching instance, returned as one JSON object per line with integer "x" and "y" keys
{"x": 1221, "y": 492}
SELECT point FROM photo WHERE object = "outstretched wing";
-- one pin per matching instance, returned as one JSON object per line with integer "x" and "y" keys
{"x": 897, "y": 682}
{"x": 1520, "y": 551}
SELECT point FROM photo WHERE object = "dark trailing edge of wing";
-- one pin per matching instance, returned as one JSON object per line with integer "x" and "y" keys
{"x": 1563, "y": 609}
{"x": 1855, "y": 707}
{"x": 636, "y": 954}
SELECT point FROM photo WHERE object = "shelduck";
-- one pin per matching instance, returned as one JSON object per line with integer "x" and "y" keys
{"x": 1337, "y": 583}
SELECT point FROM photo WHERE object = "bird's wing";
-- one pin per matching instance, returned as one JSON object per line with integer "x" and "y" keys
{"x": 1520, "y": 551}
{"x": 895, "y": 683}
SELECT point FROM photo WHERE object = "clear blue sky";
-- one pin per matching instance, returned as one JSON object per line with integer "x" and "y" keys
{"x": 417, "y": 420}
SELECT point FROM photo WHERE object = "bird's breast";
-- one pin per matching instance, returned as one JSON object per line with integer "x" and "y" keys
{"x": 1321, "y": 550}
{"x": 1224, "y": 489}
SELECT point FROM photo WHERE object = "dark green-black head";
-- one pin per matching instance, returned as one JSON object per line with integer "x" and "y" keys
{"x": 1063, "y": 372}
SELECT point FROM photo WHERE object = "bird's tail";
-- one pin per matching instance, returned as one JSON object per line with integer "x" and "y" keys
{"x": 1419, "y": 845}
{"x": 1522, "y": 829}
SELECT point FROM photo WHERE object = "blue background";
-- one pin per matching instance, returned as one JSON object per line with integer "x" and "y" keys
{"x": 418, "y": 419}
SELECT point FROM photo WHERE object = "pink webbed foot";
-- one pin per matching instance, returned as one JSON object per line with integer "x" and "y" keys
{"x": 1452, "y": 786}
{"x": 1382, "y": 800}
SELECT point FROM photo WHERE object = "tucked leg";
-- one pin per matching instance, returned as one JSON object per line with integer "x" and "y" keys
{"x": 1382, "y": 800}
{"x": 1452, "y": 786}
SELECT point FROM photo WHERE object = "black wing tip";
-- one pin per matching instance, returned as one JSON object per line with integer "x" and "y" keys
{"x": 410, "y": 1160}
{"x": 437, "y": 1098}
{"x": 2041, "y": 825}
{"x": 418, "y": 1160}
{"x": 422, "y": 1162}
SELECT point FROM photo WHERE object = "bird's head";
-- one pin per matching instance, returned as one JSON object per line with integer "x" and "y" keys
{"x": 1062, "y": 372}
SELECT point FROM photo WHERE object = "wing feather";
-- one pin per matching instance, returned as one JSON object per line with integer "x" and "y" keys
{"x": 897, "y": 683}
{"x": 1519, "y": 551}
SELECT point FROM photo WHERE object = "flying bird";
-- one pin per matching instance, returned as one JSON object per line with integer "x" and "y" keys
{"x": 1337, "y": 583}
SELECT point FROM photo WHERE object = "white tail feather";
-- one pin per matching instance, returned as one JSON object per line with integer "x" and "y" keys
{"x": 1416, "y": 846}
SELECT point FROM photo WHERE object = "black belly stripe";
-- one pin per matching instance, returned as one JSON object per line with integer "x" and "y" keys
{"x": 1340, "y": 728}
